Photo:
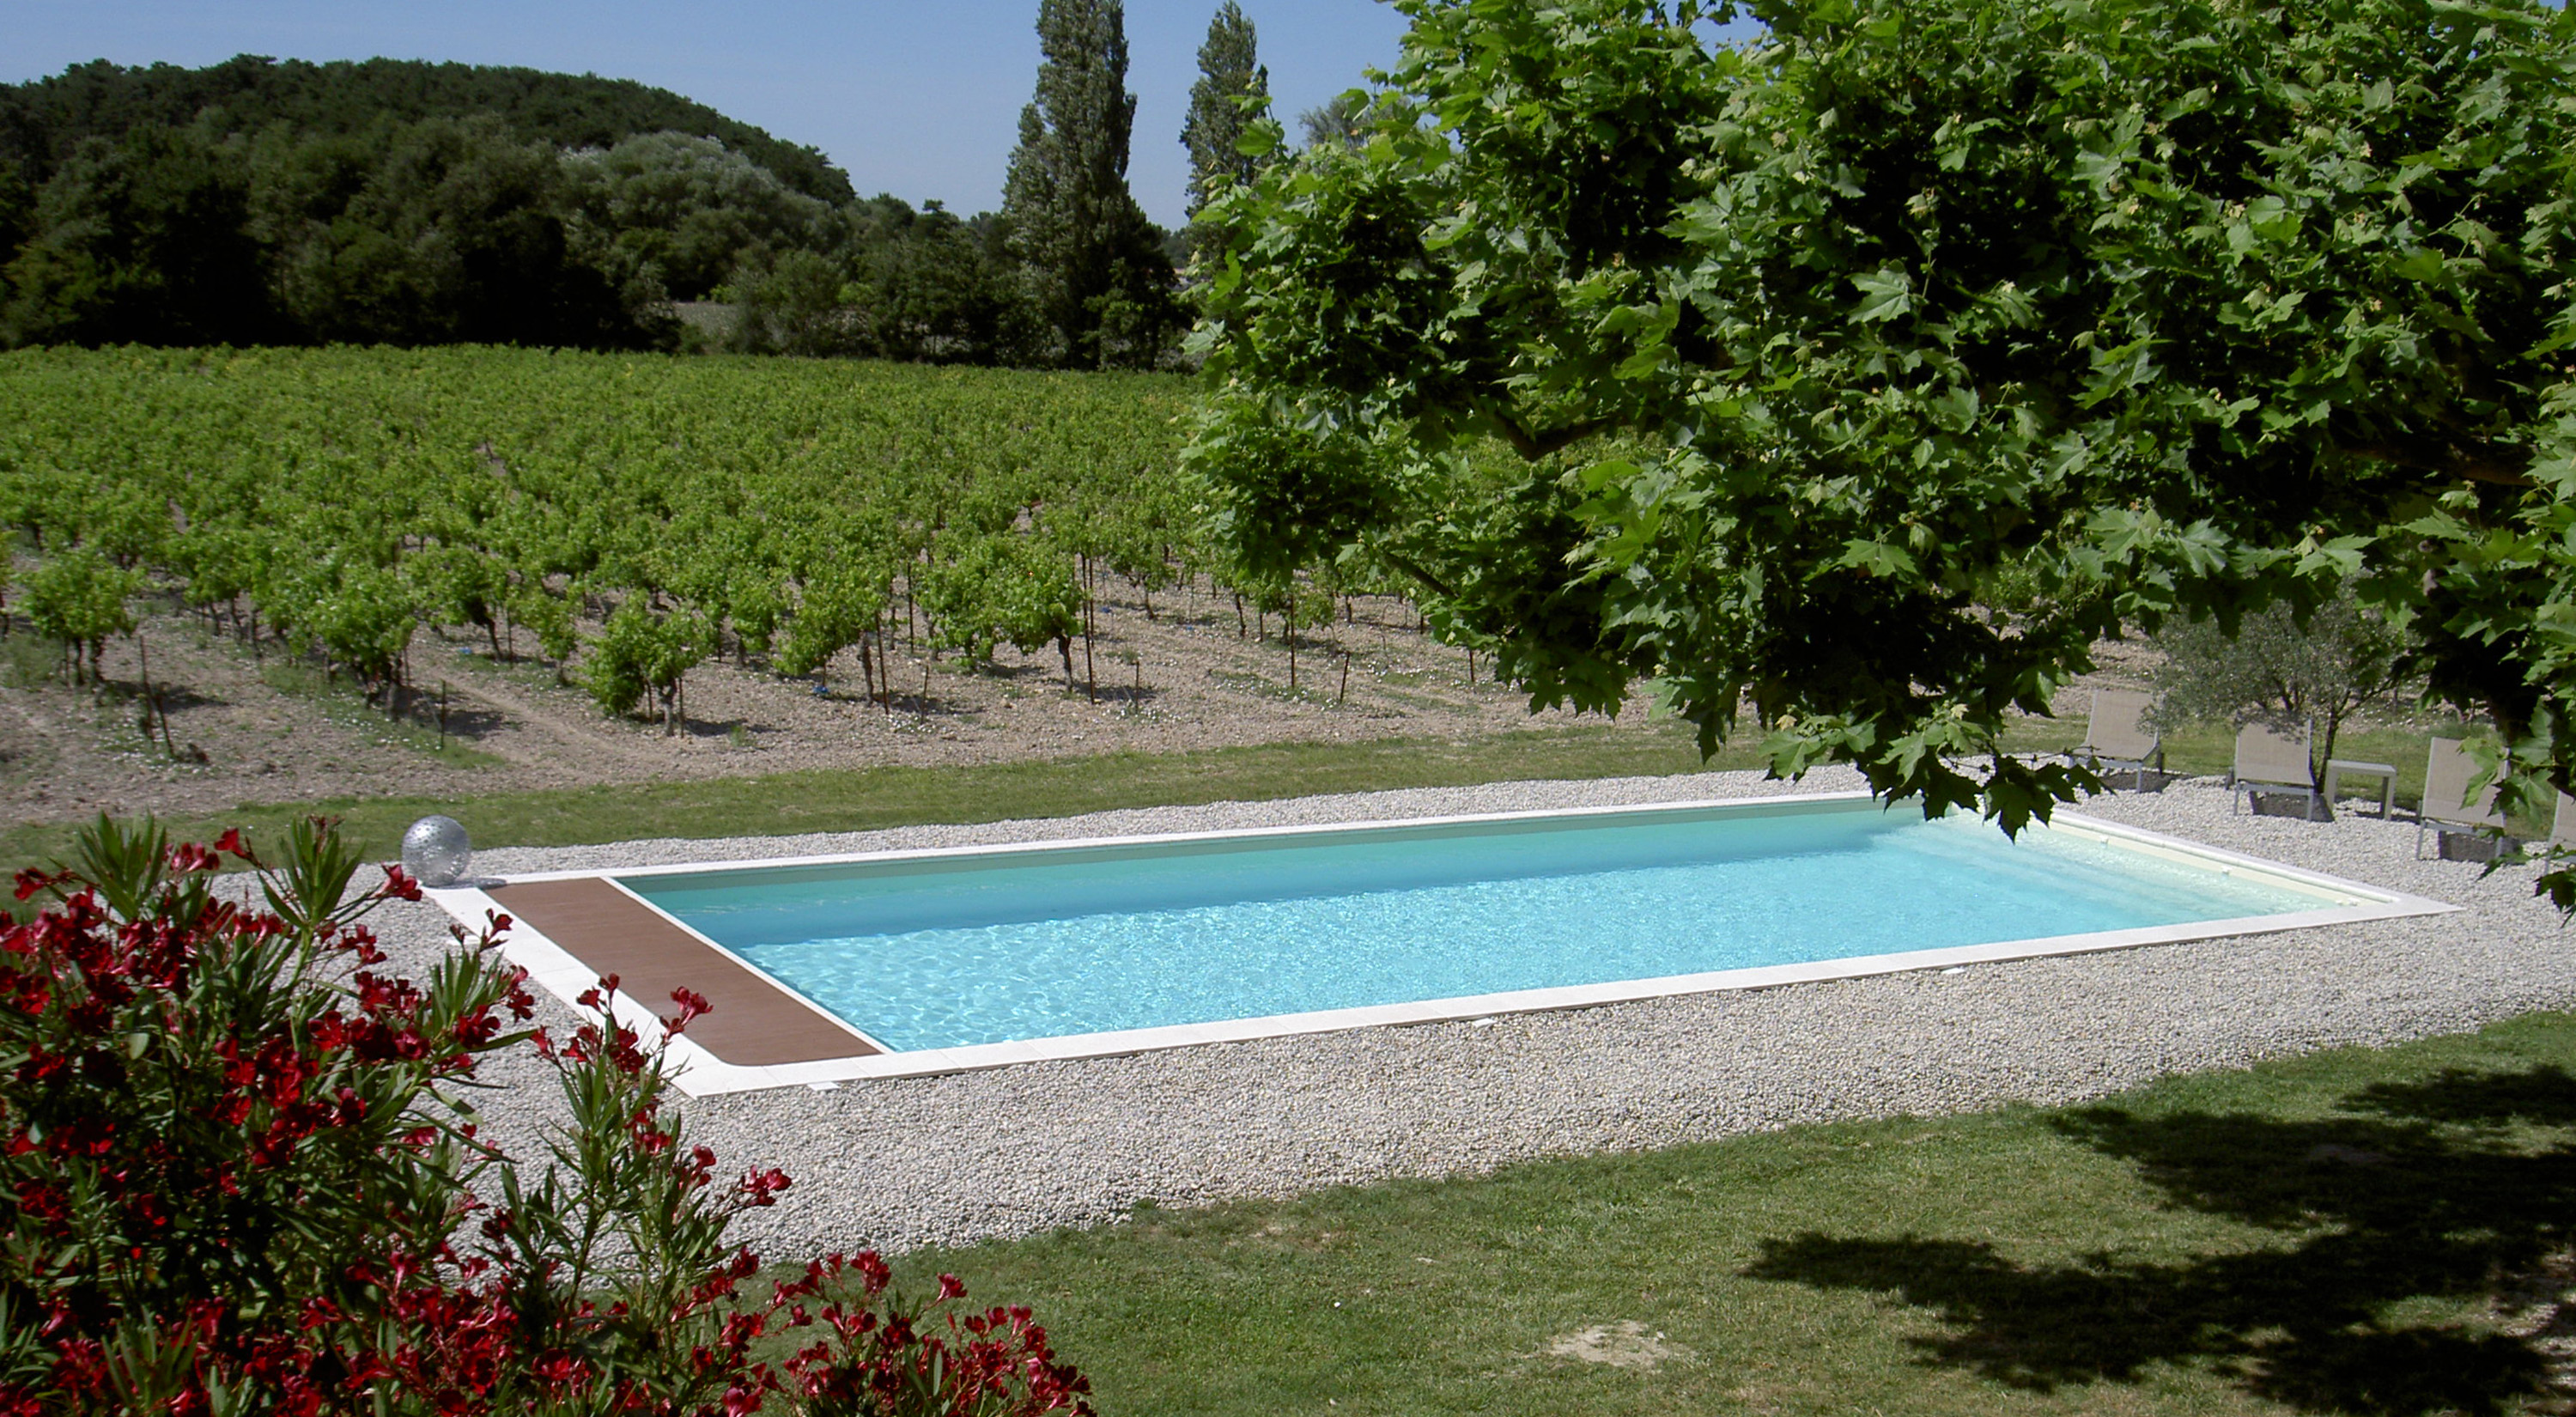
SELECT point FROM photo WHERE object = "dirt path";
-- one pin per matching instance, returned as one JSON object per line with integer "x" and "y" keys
{"x": 547, "y": 737}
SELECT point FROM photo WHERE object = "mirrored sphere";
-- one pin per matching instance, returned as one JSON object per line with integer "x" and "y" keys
{"x": 435, "y": 851}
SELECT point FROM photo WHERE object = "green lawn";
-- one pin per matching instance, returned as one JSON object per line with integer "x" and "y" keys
{"x": 902, "y": 796}
{"x": 2322, "y": 1235}
{"x": 784, "y": 803}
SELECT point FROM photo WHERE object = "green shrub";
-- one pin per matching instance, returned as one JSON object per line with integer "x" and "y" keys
{"x": 235, "y": 1178}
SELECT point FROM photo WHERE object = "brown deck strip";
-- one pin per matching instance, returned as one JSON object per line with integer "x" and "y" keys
{"x": 752, "y": 1023}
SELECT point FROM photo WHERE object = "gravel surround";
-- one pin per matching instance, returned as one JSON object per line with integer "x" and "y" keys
{"x": 902, "y": 1163}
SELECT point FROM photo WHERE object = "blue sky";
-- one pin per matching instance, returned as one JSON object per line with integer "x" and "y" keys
{"x": 920, "y": 98}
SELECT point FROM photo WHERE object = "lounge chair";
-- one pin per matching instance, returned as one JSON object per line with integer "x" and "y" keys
{"x": 2447, "y": 810}
{"x": 2117, "y": 736}
{"x": 2268, "y": 760}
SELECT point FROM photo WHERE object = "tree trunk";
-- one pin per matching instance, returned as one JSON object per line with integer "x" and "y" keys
{"x": 1064, "y": 648}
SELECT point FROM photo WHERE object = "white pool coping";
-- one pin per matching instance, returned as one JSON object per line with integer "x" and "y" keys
{"x": 700, "y": 1073}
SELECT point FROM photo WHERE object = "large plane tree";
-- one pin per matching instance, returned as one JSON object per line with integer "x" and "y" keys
{"x": 1859, "y": 378}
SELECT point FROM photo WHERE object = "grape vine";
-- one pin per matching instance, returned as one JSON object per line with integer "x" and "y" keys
{"x": 333, "y": 502}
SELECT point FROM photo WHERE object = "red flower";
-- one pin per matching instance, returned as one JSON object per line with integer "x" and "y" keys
{"x": 762, "y": 1187}
{"x": 691, "y": 1006}
{"x": 398, "y": 884}
{"x": 31, "y": 881}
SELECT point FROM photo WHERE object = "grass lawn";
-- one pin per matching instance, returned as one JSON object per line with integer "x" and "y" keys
{"x": 2321, "y": 1235}
{"x": 902, "y": 796}
{"x": 784, "y": 803}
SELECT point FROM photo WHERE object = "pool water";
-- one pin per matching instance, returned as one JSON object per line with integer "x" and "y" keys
{"x": 957, "y": 951}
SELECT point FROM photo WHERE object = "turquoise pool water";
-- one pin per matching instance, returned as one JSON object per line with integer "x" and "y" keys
{"x": 986, "y": 949}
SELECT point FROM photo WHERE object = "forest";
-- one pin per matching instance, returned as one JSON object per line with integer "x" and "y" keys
{"x": 261, "y": 202}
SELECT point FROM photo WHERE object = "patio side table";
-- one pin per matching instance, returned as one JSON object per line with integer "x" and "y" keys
{"x": 2339, "y": 768}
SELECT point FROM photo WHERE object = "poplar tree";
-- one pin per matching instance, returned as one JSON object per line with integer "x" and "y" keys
{"x": 1229, "y": 73}
{"x": 1093, "y": 263}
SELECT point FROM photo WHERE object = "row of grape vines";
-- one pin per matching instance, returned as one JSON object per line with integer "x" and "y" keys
{"x": 335, "y": 501}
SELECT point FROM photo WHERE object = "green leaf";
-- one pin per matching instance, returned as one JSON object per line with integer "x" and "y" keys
{"x": 1886, "y": 294}
{"x": 2418, "y": 265}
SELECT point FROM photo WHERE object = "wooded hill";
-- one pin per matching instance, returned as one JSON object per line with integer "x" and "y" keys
{"x": 390, "y": 202}
{"x": 43, "y": 121}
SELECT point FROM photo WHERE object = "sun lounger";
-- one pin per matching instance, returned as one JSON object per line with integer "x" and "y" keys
{"x": 2117, "y": 736}
{"x": 2447, "y": 810}
{"x": 2268, "y": 760}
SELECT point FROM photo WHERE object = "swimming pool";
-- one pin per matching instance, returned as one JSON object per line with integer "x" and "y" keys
{"x": 991, "y": 954}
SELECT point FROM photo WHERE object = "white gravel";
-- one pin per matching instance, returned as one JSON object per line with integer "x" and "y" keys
{"x": 1014, "y": 1151}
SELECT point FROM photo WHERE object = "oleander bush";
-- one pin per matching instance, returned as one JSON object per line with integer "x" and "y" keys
{"x": 240, "y": 1174}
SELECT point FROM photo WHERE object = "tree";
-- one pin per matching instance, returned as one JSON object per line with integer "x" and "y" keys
{"x": 1803, "y": 345}
{"x": 680, "y": 211}
{"x": 795, "y": 305}
{"x": 444, "y": 230}
{"x": 1336, "y": 119}
{"x": 1232, "y": 92}
{"x": 2276, "y": 670}
{"x": 142, "y": 241}
{"x": 1089, "y": 255}
{"x": 939, "y": 288}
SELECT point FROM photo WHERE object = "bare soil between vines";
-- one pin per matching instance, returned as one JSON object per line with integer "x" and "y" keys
{"x": 268, "y": 728}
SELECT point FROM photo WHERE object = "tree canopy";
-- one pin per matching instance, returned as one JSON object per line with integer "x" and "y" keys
{"x": 2171, "y": 311}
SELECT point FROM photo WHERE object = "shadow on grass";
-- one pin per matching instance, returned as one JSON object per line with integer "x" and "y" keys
{"x": 2421, "y": 1197}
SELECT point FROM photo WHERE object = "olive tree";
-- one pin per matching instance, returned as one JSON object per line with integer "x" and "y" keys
{"x": 2280, "y": 668}
{"x": 1804, "y": 343}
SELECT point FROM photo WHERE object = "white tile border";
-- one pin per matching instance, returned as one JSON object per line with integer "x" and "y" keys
{"x": 702, "y": 1074}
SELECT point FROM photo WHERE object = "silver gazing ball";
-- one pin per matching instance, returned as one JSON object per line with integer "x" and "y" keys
{"x": 435, "y": 851}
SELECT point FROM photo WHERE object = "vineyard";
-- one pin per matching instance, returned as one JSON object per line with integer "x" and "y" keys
{"x": 620, "y": 533}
